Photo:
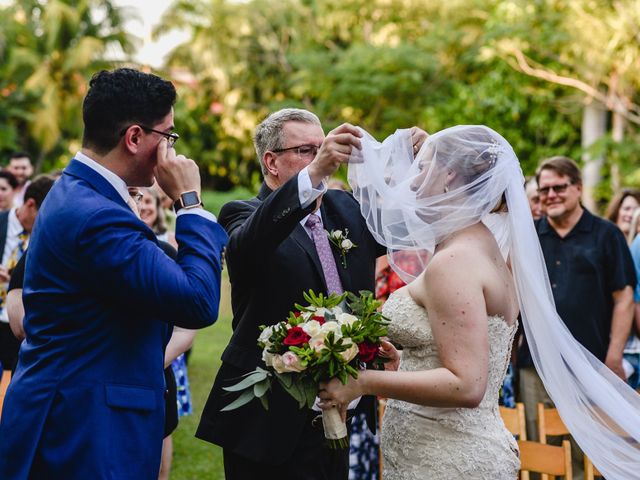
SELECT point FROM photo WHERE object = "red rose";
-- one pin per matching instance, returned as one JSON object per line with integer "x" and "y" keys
{"x": 368, "y": 351}
{"x": 296, "y": 336}
{"x": 318, "y": 319}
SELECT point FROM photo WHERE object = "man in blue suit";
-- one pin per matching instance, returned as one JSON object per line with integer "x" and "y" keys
{"x": 87, "y": 399}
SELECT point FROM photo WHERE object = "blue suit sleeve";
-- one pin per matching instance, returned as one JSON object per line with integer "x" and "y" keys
{"x": 129, "y": 269}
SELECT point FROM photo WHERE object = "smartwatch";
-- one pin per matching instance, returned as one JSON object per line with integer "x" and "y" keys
{"x": 189, "y": 199}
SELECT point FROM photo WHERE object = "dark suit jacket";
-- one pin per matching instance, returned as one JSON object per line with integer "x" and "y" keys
{"x": 4, "y": 225}
{"x": 87, "y": 399}
{"x": 272, "y": 261}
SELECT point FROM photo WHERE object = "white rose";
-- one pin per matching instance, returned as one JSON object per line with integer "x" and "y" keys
{"x": 320, "y": 311}
{"x": 267, "y": 358}
{"x": 346, "y": 318}
{"x": 264, "y": 336}
{"x": 334, "y": 327}
{"x": 292, "y": 362}
{"x": 337, "y": 234}
{"x": 317, "y": 342}
{"x": 311, "y": 328}
{"x": 346, "y": 244}
{"x": 278, "y": 364}
{"x": 350, "y": 353}
{"x": 306, "y": 315}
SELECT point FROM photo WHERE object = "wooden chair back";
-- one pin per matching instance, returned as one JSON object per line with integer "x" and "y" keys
{"x": 4, "y": 384}
{"x": 514, "y": 420}
{"x": 548, "y": 460}
{"x": 550, "y": 423}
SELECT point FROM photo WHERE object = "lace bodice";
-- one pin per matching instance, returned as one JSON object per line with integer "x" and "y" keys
{"x": 421, "y": 442}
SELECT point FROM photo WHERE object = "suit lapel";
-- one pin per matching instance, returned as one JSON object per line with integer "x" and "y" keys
{"x": 333, "y": 222}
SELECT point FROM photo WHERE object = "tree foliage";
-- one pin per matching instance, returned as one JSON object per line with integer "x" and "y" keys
{"x": 48, "y": 50}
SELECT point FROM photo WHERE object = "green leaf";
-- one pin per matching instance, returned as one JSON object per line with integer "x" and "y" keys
{"x": 242, "y": 400}
{"x": 250, "y": 379}
{"x": 265, "y": 402}
{"x": 260, "y": 388}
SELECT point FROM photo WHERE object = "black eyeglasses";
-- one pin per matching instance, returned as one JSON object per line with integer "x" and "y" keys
{"x": 302, "y": 150}
{"x": 544, "y": 191}
{"x": 172, "y": 138}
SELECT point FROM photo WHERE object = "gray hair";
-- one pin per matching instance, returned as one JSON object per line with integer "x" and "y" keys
{"x": 269, "y": 133}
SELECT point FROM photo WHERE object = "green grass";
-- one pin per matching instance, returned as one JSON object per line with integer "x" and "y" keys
{"x": 213, "y": 201}
{"x": 194, "y": 459}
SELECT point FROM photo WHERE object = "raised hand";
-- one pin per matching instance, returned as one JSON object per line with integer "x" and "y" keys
{"x": 418, "y": 137}
{"x": 176, "y": 174}
{"x": 335, "y": 150}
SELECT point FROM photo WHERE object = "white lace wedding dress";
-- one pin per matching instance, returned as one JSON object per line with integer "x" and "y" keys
{"x": 420, "y": 443}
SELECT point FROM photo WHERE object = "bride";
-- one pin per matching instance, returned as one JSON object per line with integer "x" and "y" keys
{"x": 462, "y": 204}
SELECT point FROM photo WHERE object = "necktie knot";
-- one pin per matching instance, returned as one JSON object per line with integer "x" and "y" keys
{"x": 313, "y": 221}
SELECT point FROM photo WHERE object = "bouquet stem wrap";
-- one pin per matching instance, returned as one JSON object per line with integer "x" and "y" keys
{"x": 335, "y": 430}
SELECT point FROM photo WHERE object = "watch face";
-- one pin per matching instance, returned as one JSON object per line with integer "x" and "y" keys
{"x": 190, "y": 198}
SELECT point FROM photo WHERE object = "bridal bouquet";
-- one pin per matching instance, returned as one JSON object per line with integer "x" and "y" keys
{"x": 317, "y": 342}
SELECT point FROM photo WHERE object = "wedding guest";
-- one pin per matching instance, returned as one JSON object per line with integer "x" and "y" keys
{"x": 621, "y": 207}
{"x": 8, "y": 185}
{"x": 21, "y": 168}
{"x": 278, "y": 249}
{"x": 152, "y": 213}
{"x": 591, "y": 273}
{"x": 531, "y": 189}
{"x": 100, "y": 296}
{"x": 624, "y": 212}
{"x": 15, "y": 228}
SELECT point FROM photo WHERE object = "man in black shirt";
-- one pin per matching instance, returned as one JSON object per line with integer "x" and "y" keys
{"x": 590, "y": 270}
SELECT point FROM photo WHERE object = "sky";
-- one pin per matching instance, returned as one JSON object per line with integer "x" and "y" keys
{"x": 149, "y": 12}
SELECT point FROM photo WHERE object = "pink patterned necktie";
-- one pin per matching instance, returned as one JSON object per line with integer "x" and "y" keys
{"x": 323, "y": 248}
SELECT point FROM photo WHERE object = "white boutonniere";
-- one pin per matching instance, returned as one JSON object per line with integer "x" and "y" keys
{"x": 339, "y": 239}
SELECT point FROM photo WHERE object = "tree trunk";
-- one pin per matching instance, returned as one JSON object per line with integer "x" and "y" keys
{"x": 617, "y": 133}
{"x": 594, "y": 126}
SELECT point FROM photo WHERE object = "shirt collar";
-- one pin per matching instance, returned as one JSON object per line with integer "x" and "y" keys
{"x": 585, "y": 224}
{"x": 115, "y": 181}
{"x": 14, "y": 223}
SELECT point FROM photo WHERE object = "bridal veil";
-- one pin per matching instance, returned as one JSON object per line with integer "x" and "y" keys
{"x": 407, "y": 210}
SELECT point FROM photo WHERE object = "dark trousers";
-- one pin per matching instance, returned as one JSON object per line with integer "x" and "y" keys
{"x": 311, "y": 460}
{"x": 9, "y": 347}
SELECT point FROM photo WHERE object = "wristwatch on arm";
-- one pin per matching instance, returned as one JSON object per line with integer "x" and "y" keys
{"x": 188, "y": 200}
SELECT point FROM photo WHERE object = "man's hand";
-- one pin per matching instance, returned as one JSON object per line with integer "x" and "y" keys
{"x": 614, "y": 362}
{"x": 176, "y": 174}
{"x": 335, "y": 150}
{"x": 418, "y": 137}
{"x": 5, "y": 276}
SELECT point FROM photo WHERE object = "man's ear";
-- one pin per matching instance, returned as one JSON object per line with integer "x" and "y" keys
{"x": 132, "y": 138}
{"x": 31, "y": 203}
{"x": 269, "y": 161}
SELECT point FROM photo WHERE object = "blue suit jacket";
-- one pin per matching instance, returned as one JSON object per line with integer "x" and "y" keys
{"x": 87, "y": 399}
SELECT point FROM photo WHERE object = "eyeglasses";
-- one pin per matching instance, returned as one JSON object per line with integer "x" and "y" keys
{"x": 544, "y": 191}
{"x": 172, "y": 138}
{"x": 136, "y": 195}
{"x": 301, "y": 150}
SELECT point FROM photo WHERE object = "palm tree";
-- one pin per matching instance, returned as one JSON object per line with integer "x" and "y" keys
{"x": 57, "y": 45}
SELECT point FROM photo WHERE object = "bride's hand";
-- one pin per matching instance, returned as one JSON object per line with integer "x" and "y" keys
{"x": 387, "y": 350}
{"x": 334, "y": 394}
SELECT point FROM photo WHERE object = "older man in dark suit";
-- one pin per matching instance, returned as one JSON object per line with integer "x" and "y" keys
{"x": 278, "y": 249}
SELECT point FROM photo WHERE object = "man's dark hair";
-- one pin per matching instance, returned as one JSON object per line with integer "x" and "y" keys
{"x": 120, "y": 98}
{"x": 10, "y": 177}
{"x": 15, "y": 155}
{"x": 38, "y": 189}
